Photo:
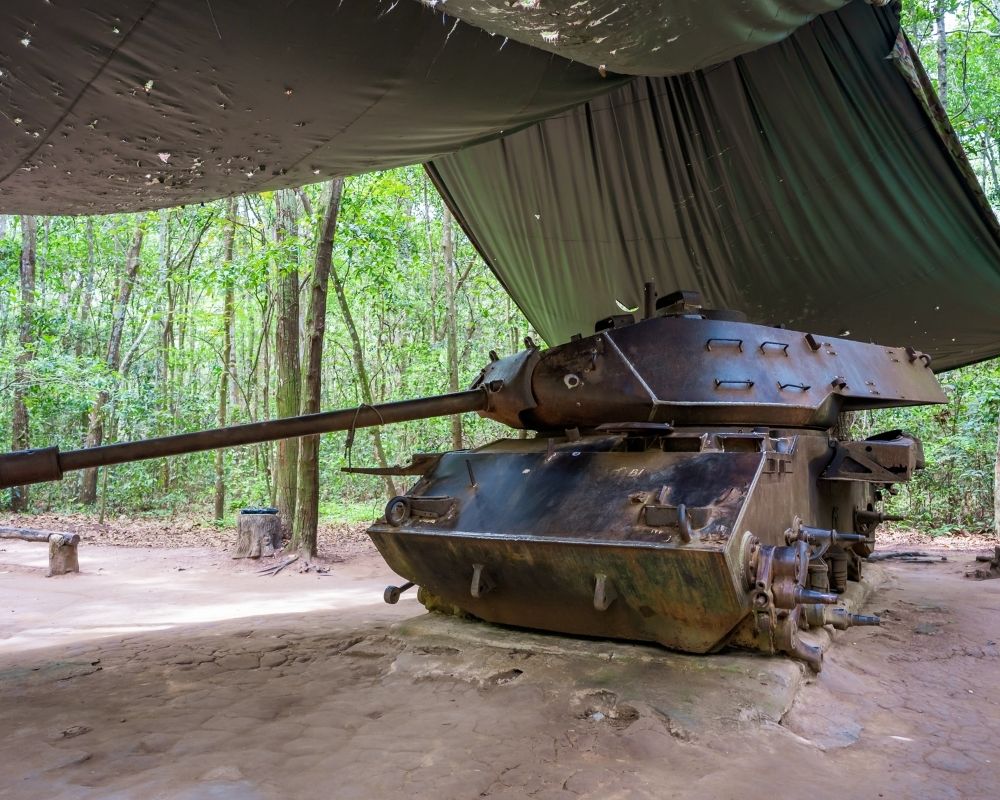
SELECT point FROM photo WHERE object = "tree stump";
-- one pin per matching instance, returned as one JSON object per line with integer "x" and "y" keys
{"x": 985, "y": 567}
{"x": 258, "y": 533}
{"x": 63, "y": 557}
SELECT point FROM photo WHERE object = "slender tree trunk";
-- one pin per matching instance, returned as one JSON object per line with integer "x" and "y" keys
{"x": 95, "y": 427}
{"x": 227, "y": 356}
{"x": 942, "y": 51}
{"x": 88, "y": 288}
{"x": 166, "y": 342}
{"x": 26, "y": 338}
{"x": 996, "y": 485}
{"x": 265, "y": 404}
{"x": 103, "y": 509}
{"x": 361, "y": 370}
{"x": 95, "y": 435}
{"x": 307, "y": 504}
{"x": 430, "y": 255}
{"x": 991, "y": 161}
{"x": 451, "y": 322}
{"x": 286, "y": 352}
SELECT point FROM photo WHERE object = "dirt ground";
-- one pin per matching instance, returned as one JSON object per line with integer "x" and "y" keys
{"x": 178, "y": 673}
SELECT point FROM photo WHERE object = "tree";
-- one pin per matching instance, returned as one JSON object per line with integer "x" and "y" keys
{"x": 87, "y": 286}
{"x": 940, "y": 10}
{"x": 996, "y": 485}
{"x": 228, "y": 304}
{"x": 363, "y": 380}
{"x": 286, "y": 350}
{"x": 19, "y": 425}
{"x": 307, "y": 504}
{"x": 95, "y": 427}
{"x": 451, "y": 318}
{"x": 381, "y": 341}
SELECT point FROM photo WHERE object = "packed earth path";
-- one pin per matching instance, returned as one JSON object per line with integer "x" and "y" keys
{"x": 176, "y": 672}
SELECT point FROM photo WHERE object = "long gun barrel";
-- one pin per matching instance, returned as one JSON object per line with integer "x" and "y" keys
{"x": 48, "y": 464}
{"x": 719, "y": 372}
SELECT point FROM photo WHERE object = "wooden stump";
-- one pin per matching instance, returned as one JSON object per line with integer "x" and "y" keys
{"x": 258, "y": 533}
{"x": 63, "y": 557}
{"x": 985, "y": 567}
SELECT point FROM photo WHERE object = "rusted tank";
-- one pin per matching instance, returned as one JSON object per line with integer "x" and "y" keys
{"x": 685, "y": 484}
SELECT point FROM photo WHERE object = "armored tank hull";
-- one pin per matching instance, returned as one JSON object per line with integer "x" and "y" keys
{"x": 647, "y": 535}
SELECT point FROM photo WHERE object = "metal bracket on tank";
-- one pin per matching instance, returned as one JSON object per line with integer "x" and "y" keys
{"x": 660, "y": 515}
{"x": 889, "y": 457}
{"x": 482, "y": 584}
{"x": 420, "y": 464}
{"x": 604, "y": 592}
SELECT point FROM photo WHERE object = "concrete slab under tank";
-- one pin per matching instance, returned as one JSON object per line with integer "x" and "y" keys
{"x": 694, "y": 693}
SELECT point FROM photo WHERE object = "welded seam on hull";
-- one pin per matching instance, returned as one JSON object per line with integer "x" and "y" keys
{"x": 652, "y": 395}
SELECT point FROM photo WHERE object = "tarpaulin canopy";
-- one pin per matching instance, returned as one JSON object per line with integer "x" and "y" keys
{"x": 803, "y": 181}
{"x": 121, "y": 105}
{"x": 640, "y": 37}
{"x": 118, "y": 105}
{"x": 813, "y": 183}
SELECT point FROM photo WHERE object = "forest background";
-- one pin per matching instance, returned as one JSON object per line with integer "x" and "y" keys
{"x": 357, "y": 291}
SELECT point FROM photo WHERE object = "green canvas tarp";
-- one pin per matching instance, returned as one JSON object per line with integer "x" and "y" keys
{"x": 121, "y": 105}
{"x": 780, "y": 161}
{"x": 807, "y": 183}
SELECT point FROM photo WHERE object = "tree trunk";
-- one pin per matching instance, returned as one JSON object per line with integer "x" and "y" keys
{"x": 996, "y": 485}
{"x": 264, "y": 406}
{"x": 942, "y": 52}
{"x": 991, "y": 161}
{"x": 88, "y": 288}
{"x": 451, "y": 286}
{"x": 364, "y": 385}
{"x": 95, "y": 427}
{"x": 307, "y": 504}
{"x": 286, "y": 352}
{"x": 26, "y": 338}
{"x": 425, "y": 184}
{"x": 227, "y": 356}
{"x": 166, "y": 343}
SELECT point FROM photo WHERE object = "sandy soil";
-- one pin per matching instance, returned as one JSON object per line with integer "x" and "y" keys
{"x": 138, "y": 679}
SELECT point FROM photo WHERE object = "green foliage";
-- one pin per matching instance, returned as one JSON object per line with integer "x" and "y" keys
{"x": 388, "y": 253}
{"x": 955, "y": 490}
{"x": 972, "y": 36}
